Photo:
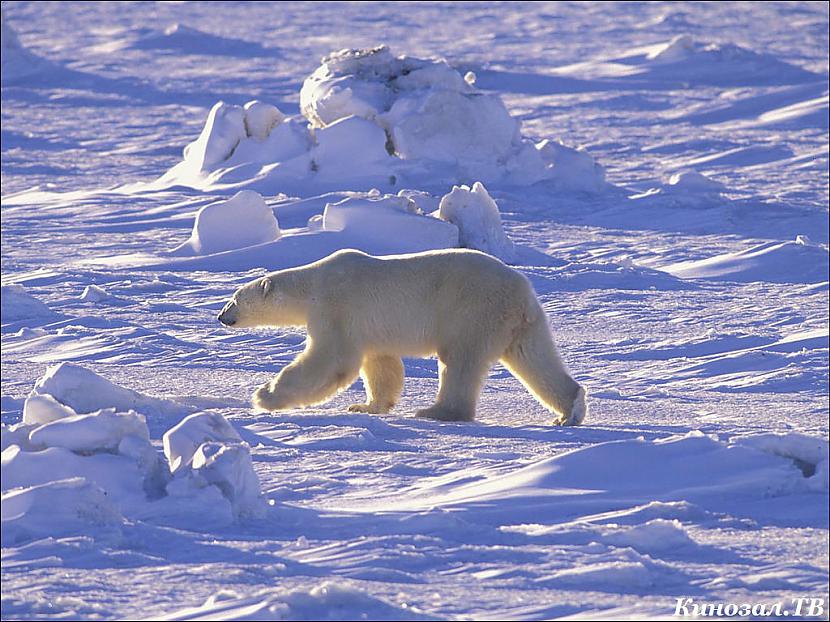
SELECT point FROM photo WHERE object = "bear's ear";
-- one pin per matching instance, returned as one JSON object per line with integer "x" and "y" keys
{"x": 266, "y": 286}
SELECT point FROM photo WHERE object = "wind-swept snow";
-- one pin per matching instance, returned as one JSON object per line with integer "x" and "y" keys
{"x": 659, "y": 173}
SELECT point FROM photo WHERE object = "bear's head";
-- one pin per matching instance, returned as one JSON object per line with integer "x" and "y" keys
{"x": 264, "y": 302}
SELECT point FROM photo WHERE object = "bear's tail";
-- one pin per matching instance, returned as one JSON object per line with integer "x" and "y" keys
{"x": 535, "y": 361}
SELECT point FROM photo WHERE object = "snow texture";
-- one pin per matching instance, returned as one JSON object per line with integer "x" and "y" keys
{"x": 659, "y": 173}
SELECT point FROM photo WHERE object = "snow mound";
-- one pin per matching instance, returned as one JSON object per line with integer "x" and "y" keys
{"x": 654, "y": 536}
{"x": 327, "y": 601}
{"x": 204, "y": 450}
{"x": 798, "y": 261}
{"x": 694, "y": 183}
{"x": 478, "y": 220}
{"x": 243, "y": 220}
{"x": 16, "y": 304}
{"x": 17, "y": 61}
{"x": 72, "y": 505}
{"x": 181, "y": 38}
{"x": 571, "y": 169}
{"x": 426, "y": 109}
{"x": 85, "y": 391}
{"x": 382, "y": 224}
{"x": 94, "y": 293}
{"x": 373, "y": 119}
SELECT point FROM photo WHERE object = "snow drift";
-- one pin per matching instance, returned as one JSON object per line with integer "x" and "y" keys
{"x": 797, "y": 261}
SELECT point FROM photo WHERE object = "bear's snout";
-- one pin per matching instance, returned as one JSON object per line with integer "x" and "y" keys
{"x": 228, "y": 314}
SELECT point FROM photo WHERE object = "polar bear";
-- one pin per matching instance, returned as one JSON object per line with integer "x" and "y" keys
{"x": 364, "y": 313}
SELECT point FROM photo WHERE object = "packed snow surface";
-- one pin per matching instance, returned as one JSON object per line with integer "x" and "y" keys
{"x": 658, "y": 171}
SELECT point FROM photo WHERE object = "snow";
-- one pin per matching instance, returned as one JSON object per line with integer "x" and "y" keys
{"x": 795, "y": 261}
{"x": 85, "y": 391}
{"x": 660, "y": 172}
{"x": 183, "y": 440}
{"x": 18, "y": 304}
{"x": 243, "y": 220}
{"x": 476, "y": 215}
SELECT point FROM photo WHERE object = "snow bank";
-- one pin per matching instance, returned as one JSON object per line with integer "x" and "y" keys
{"x": 16, "y": 304}
{"x": 101, "y": 431}
{"x": 85, "y": 391}
{"x": 94, "y": 293}
{"x": 327, "y": 601}
{"x": 243, "y": 220}
{"x": 382, "y": 224}
{"x": 478, "y": 220}
{"x": 351, "y": 148}
{"x": 798, "y": 261}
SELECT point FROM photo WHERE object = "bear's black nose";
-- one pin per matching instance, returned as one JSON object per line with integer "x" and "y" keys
{"x": 228, "y": 315}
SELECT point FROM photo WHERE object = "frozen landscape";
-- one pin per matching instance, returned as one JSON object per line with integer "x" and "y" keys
{"x": 659, "y": 171}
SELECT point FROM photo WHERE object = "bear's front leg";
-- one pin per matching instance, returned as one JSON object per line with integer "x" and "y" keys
{"x": 317, "y": 374}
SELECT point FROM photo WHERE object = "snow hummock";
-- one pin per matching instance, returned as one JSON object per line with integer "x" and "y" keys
{"x": 477, "y": 217}
{"x": 693, "y": 182}
{"x": 243, "y": 220}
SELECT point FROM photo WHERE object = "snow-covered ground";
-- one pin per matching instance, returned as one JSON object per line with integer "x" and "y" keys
{"x": 658, "y": 170}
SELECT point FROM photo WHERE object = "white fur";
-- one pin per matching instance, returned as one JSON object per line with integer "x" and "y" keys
{"x": 364, "y": 313}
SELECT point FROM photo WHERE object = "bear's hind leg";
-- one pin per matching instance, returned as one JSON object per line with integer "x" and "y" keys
{"x": 460, "y": 378}
{"x": 383, "y": 377}
{"x": 313, "y": 377}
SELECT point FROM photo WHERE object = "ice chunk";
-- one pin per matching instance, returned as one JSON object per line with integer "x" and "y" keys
{"x": 182, "y": 441}
{"x": 388, "y": 224}
{"x": 101, "y": 431}
{"x": 478, "y": 220}
{"x": 224, "y": 128}
{"x": 261, "y": 118}
{"x": 40, "y": 409}
{"x": 243, "y": 220}
{"x": 73, "y": 505}
{"x": 17, "y": 304}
